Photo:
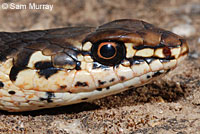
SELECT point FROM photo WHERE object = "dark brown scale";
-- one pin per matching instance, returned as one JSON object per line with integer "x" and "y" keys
{"x": 68, "y": 37}
{"x": 170, "y": 39}
{"x": 4, "y": 47}
{"x": 17, "y": 44}
{"x": 11, "y": 53}
{"x": 150, "y": 38}
{"x": 129, "y": 25}
{"x": 38, "y": 45}
{"x": 7, "y": 53}
{"x": 148, "y": 26}
{"x": 52, "y": 50}
{"x": 62, "y": 42}
{"x": 2, "y": 57}
{"x": 22, "y": 58}
{"x": 105, "y": 35}
{"x": 76, "y": 33}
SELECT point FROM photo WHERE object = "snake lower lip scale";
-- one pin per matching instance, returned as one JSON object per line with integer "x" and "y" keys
{"x": 56, "y": 67}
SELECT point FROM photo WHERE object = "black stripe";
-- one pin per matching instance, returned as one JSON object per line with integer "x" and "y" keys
{"x": 43, "y": 65}
{"x": 14, "y": 72}
{"x": 48, "y": 72}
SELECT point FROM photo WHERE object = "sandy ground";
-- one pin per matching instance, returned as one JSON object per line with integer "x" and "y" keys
{"x": 170, "y": 105}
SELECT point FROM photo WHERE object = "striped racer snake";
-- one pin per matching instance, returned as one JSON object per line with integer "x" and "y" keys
{"x": 56, "y": 67}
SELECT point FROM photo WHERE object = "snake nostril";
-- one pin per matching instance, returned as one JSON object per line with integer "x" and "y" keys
{"x": 167, "y": 52}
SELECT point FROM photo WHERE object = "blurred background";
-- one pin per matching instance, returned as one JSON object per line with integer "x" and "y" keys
{"x": 163, "y": 13}
{"x": 169, "y": 105}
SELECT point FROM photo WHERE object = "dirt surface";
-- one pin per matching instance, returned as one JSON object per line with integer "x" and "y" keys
{"x": 170, "y": 105}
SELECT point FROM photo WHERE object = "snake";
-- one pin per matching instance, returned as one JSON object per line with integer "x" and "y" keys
{"x": 57, "y": 67}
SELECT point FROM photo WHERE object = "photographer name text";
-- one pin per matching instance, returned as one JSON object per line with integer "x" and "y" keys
{"x": 30, "y": 6}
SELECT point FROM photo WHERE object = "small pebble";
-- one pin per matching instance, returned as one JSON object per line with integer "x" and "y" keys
{"x": 184, "y": 30}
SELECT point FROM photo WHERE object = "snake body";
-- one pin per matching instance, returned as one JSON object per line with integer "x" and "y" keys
{"x": 56, "y": 67}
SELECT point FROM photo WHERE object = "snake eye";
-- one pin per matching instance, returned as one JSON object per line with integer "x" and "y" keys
{"x": 108, "y": 53}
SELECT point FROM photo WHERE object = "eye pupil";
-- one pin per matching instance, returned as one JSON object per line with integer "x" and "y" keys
{"x": 107, "y": 51}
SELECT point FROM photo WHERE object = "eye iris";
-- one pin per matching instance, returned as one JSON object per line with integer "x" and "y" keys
{"x": 107, "y": 51}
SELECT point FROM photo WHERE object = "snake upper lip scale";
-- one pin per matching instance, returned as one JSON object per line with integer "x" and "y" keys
{"x": 56, "y": 67}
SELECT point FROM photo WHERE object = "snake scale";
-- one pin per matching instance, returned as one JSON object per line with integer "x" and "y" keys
{"x": 56, "y": 67}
